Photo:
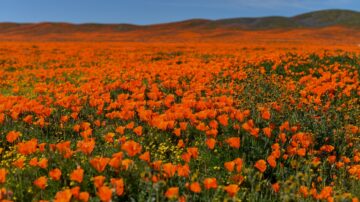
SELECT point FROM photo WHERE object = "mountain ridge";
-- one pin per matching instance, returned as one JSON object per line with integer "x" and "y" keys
{"x": 321, "y": 18}
{"x": 347, "y": 20}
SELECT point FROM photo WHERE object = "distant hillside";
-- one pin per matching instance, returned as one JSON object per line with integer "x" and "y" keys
{"x": 199, "y": 28}
{"x": 329, "y": 18}
{"x": 314, "y": 19}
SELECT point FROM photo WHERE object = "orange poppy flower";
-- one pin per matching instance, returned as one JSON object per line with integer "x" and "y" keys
{"x": 301, "y": 152}
{"x": 172, "y": 193}
{"x": 233, "y": 142}
{"x": 63, "y": 196}
{"x": 42, "y": 147}
{"x": 181, "y": 144}
{"x": 120, "y": 130}
{"x": 183, "y": 125}
{"x": 104, "y": 193}
{"x": 86, "y": 133}
{"x": 99, "y": 181}
{"x": 193, "y": 151}
{"x": 84, "y": 196}
{"x": 131, "y": 147}
{"x": 41, "y": 182}
{"x": 331, "y": 159}
{"x": 130, "y": 125}
{"x": 75, "y": 191}
{"x": 232, "y": 189}
{"x": 99, "y": 163}
{"x": 327, "y": 148}
{"x": 138, "y": 130}
{"x": 169, "y": 169}
{"x": 55, "y": 174}
{"x": 183, "y": 171}
{"x": 223, "y": 120}
{"x": 266, "y": 114}
{"x": 12, "y": 136}
{"x": 119, "y": 185}
{"x": 304, "y": 191}
{"x": 126, "y": 163}
{"x": 27, "y": 147}
{"x": 19, "y": 163}
{"x": 43, "y": 163}
{"x": 76, "y": 128}
{"x": 261, "y": 165}
{"x": 267, "y": 132}
{"x": 229, "y": 166}
{"x": 271, "y": 161}
{"x": 195, "y": 187}
{"x": 115, "y": 162}
{"x": 177, "y": 132}
{"x": 254, "y": 132}
{"x": 86, "y": 146}
{"x": 74, "y": 115}
{"x": 109, "y": 137}
{"x": 282, "y": 137}
{"x": 325, "y": 193}
{"x": 276, "y": 187}
{"x": 2, "y": 175}
{"x": 2, "y": 118}
{"x": 210, "y": 183}
{"x": 145, "y": 156}
{"x": 238, "y": 162}
{"x": 77, "y": 175}
{"x": 213, "y": 124}
{"x": 211, "y": 143}
{"x": 33, "y": 162}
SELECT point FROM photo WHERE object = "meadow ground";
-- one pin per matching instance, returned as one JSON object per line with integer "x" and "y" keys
{"x": 179, "y": 121}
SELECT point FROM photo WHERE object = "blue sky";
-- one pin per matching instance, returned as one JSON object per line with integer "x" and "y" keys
{"x": 156, "y": 11}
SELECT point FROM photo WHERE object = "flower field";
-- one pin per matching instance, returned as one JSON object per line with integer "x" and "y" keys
{"x": 179, "y": 122}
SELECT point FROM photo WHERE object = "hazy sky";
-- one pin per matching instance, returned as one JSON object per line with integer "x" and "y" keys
{"x": 156, "y": 11}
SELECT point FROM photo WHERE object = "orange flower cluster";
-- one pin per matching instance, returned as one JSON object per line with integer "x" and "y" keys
{"x": 194, "y": 122}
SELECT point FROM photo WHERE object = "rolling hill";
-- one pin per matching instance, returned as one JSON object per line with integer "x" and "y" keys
{"x": 345, "y": 21}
